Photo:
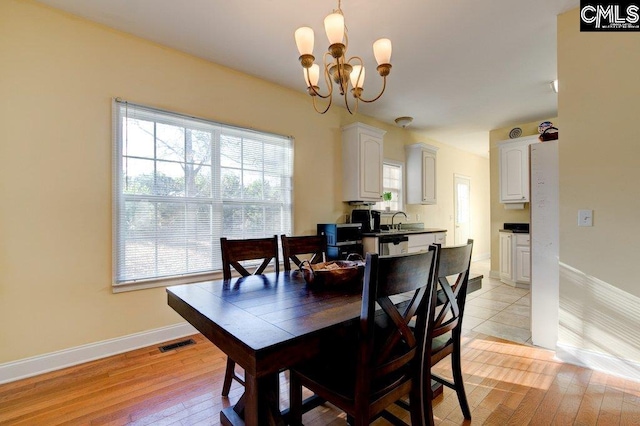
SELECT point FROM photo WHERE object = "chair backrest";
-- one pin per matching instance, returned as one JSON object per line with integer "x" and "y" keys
{"x": 314, "y": 245}
{"x": 390, "y": 351}
{"x": 451, "y": 294}
{"x": 235, "y": 251}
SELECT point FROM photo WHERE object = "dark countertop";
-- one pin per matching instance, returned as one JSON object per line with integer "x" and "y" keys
{"x": 514, "y": 231}
{"x": 404, "y": 232}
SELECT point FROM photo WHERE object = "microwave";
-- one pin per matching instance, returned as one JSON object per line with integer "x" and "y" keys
{"x": 340, "y": 233}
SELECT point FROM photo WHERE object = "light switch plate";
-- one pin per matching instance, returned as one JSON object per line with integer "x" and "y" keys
{"x": 585, "y": 217}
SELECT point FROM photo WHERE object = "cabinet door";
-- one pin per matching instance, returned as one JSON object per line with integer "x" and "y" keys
{"x": 428, "y": 177}
{"x": 441, "y": 238}
{"x": 505, "y": 256}
{"x": 523, "y": 264}
{"x": 421, "y": 240}
{"x": 421, "y": 173}
{"x": 361, "y": 163}
{"x": 370, "y": 167}
{"x": 514, "y": 169}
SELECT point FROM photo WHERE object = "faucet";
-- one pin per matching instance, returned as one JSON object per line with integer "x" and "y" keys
{"x": 394, "y": 216}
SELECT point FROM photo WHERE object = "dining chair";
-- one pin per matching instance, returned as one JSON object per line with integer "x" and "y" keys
{"x": 233, "y": 252}
{"x": 380, "y": 359}
{"x": 446, "y": 330}
{"x": 292, "y": 247}
{"x": 236, "y": 251}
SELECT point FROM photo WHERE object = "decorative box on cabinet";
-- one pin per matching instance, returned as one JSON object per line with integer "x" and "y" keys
{"x": 514, "y": 170}
{"x": 362, "y": 157}
{"x": 421, "y": 173}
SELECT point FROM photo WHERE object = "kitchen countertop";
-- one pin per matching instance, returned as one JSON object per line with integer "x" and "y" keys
{"x": 403, "y": 232}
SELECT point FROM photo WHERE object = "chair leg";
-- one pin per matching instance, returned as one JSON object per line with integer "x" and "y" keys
{"x": 228, "y": 376}
{"x": 295, "y": 400}
{"x": 458, "y": 380}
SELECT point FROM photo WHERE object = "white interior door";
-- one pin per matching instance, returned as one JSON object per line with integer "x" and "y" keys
{"x": 462, "y": 209}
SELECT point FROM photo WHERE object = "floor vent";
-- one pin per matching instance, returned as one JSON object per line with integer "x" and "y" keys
{"x": 176, "y": 345}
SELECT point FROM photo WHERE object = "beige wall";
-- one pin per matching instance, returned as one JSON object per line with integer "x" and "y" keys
{"x": 58, "y": 75}
{"x": 599, "y": 170}
{"x": 500, "y": 215}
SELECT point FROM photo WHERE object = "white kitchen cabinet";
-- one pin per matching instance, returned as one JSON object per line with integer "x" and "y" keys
{"x": 421, "y": 173}
{"x": 418, "y": 242}
{"x": 522, "y": 259}
{"x": 515, "y": 259}
{"x": 506, "y": 258}
{"x": 362, "y": 157}
{"x": 514, "y": 169}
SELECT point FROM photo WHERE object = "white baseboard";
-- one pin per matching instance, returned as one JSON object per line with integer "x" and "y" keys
{"x": 599, "y": 362}
{"x": 33, "y": 366}
{"x": 494, "y": 274}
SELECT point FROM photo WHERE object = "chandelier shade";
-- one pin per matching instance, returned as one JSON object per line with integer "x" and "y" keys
{"x": 382, "y": 51}
{"x": 334, "y": 27}
{"x": 304, "y": 40}
{"x": 347, "y": 74}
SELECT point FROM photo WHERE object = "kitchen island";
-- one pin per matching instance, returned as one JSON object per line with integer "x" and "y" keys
{"x": 417, "y": 238}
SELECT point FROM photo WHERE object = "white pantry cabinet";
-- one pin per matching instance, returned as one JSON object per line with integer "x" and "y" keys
{"x": 514, "y": 169}
{"x": 362, "y": 157}
{"x": 515, "y": 259}
{"x": 421, "y": 173}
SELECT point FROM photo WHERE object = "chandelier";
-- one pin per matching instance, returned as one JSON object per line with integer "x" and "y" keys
{"x": 343, "y": 72}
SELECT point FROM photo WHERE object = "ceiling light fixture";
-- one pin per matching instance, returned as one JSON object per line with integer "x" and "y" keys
{"x": 554, "y": 86}
{"x": 336, "y": 66}
{"x": 404, "y": 121}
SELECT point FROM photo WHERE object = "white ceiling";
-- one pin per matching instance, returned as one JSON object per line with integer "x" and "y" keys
{"x": 460, "y": 68}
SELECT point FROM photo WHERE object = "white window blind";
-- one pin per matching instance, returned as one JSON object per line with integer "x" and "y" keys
{"x": 181, "y": 183}
{"x": 392, "y": 178}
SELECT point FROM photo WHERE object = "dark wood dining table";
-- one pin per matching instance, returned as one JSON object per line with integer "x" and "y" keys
{"x": 265, "y": 323}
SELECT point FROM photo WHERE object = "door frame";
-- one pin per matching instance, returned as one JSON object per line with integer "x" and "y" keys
{"x": 457, "y": 176}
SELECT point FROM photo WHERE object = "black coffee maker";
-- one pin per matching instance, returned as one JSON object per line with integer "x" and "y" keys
{"x": 370, "y": 219}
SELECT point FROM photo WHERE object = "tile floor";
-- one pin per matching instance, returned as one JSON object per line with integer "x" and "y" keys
{"x": 498, "y": 309}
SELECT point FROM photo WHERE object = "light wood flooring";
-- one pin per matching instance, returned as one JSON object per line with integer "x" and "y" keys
{"x": 507, "y": 384}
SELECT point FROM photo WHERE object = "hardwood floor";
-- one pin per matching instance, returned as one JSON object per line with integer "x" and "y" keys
{"x": 507, "y": 384}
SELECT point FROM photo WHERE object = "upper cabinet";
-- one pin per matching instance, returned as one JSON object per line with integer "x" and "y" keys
{"x": 362, "y": 157}
{"x": 514, "y": 169}
{"x": 421, "y": 173}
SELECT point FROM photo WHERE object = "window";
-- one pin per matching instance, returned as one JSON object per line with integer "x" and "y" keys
{"x": 392, "y": 178}
{"x": 181, "y": 183}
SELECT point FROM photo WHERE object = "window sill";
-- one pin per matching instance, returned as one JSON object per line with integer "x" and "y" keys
{"x": 167, "y": 282}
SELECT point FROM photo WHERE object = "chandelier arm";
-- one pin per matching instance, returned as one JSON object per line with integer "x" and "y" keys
{"x": 325, "y": 71}
{"x": 346, "y": 102}
{"x": 312, "y": 88}
{"x": 342, "y": 81}
{"x": 384, "y": 86}
{"x": 326, "y": 109}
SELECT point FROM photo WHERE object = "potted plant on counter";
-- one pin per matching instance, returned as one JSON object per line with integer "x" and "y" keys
{"x": 386, "y": 196}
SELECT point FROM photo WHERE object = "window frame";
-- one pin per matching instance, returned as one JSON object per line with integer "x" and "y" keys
{"x": 214, "y": 199}
{"x": 380, "y": 205}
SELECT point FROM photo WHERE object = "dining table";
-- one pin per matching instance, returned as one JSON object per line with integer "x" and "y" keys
{"x": 266, "y": 324}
